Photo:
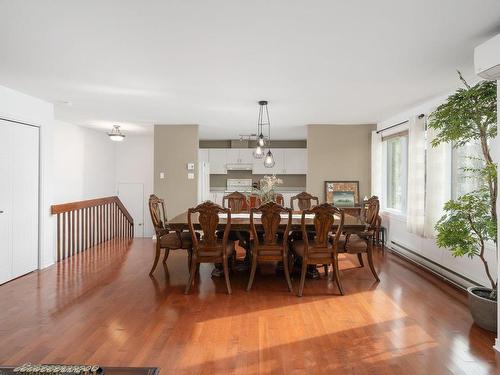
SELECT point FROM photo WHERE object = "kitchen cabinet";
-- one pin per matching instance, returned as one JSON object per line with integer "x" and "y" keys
{"x": 288, "y": 160}
{"x": 239, "y": 156}
{"x": 203, "y": 155}
{"x": 217, "y": 157}
{"x": 259, "y": 168}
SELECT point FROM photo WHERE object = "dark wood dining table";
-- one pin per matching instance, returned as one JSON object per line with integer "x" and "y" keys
{"x": 238, "y": 223}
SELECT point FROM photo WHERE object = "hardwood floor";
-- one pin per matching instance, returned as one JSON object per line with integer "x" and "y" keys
{"x": 102, "y": 307}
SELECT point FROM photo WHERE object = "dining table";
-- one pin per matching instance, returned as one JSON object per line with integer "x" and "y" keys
{"x": 241, "y": 222}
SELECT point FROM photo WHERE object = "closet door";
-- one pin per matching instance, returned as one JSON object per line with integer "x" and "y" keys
{"x": 25, "y": 200}
{"x": 19, "y": 185}
{"x": 5, "y": 202}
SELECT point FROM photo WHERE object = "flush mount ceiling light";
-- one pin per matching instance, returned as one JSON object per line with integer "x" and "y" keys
{"x": 115, "y": 134}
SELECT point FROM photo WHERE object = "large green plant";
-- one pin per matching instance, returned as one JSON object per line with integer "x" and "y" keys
{"x": 470, "y": 115}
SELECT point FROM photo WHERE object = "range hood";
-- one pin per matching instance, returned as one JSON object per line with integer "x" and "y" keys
{"x": 239, "y": 167}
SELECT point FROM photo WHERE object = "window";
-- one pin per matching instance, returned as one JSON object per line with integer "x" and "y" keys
{"x": 468, "y": 156}
{"x": 397, "y": 172}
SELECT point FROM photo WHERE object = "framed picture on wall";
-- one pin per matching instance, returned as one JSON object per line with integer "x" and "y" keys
{"x": 342, "y": 193}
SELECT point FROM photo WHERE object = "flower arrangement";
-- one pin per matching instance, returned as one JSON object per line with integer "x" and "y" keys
{"x": 267, "y": 192}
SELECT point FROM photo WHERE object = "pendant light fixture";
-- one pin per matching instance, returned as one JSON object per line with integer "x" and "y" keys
{"x": 261, "y": 122}
{"x": 115, "y": 134}
{"x": 262, "y": 141}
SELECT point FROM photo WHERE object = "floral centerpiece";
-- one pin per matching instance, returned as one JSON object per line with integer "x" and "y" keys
{"x": 267, "y": 192}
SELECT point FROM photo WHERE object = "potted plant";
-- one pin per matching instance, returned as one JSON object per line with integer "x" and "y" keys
{"x": 267, "y": 192}
{"x": 470, "y": 220}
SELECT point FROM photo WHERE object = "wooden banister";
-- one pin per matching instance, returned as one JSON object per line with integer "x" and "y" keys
{"x": 83, "y": 224}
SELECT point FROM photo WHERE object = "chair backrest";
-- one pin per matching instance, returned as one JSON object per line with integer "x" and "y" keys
{"x": 254, "y": 201}
{"x": 324, "y": 218}
{"x": 270, "y": 221}
{"x": 236, "y": 201}
{"x": 280, "y": 199}
{"x": 304, "y": 201}
{"x": 209, "y": 220}
{"x": 158, "y": 214}
{"x": 371, "y": 208}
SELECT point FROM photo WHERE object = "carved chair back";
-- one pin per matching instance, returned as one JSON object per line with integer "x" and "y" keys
{"x": 324, "y": 218}
{"x": 208, "y": 218}
{"x": 236, "y": 201}
{"x": 371, "y": 209}
{"x": 269, "y": 225}
{"x": 304, "y": 201}
{"x": 158, "y": 214}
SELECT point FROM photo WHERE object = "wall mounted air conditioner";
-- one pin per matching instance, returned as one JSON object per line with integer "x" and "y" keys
{"x": 487, "y": 59}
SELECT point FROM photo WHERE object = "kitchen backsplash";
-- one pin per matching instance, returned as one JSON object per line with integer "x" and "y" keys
{"x": 289, "y": 180}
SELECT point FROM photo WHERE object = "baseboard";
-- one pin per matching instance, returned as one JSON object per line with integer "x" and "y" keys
{"x": 497, "y": 345}
{"x": 431, "y": 266}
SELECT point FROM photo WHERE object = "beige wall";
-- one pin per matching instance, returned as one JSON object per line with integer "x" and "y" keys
{"x": 175, "y": 147}
{"x": 339, "y": 153}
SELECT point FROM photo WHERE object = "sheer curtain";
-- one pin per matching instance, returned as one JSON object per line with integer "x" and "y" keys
{"x": 438, "y": 183}
{"x": 376, "y": 164}
{"x": 416, "y": 176}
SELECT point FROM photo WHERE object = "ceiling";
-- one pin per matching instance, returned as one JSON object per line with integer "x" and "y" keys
{"x": 139, "y": 63}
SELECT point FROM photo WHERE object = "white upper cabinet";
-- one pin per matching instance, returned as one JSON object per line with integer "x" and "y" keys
{"x": 239, "y": 156}
{"x": 246, "y": 155}
{"x": 279, "y": 166}
{"x": 217, "y": 157}
{"x": 288, "y": 160}
{"x": 295, "y": 161}
{"x": 203, "y": 155}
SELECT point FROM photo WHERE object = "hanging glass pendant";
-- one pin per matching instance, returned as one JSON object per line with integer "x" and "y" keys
{"x": 269, "y": 160}
{"x": 261, "y": 141}
{"x": 258, "y": 153}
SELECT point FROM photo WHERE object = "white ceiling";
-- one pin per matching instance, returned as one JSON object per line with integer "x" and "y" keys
{"x": 139, "y": 63}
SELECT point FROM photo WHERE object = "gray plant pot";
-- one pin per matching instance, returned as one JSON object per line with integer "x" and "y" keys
{"x": 483, "y": 310}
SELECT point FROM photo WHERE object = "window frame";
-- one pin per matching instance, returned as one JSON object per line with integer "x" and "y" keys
{"x": 386, "y": 158}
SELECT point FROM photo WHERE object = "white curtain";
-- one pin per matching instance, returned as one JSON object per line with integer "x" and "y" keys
{"x": 438, "y": 183}
{"x": 376, "y": 164}
{"x": 416, "y": 176}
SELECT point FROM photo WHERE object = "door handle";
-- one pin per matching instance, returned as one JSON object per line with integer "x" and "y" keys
{"x": 1, "y": 211}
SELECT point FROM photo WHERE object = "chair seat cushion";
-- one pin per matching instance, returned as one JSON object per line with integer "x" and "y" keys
{"x": 171, "y": 240}
{"x": 355, "y": 244}
{"x": 314, "y": 251}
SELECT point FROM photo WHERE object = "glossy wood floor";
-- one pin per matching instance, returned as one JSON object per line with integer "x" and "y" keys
{"x": 102, "y": 307}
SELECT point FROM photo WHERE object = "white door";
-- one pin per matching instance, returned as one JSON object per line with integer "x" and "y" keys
{"x": 5, "y": 203}
{"x": 132, "y": 197}
{"x": 18, "y": 199}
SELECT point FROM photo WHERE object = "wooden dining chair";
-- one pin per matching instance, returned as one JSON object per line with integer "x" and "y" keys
{"x": 322, "y": 248}
{"x": 236, "y": 201}
{"x": 304, "y": 201}
{"x": 165, "y": 238}
{"x": 209, "y": 248}
{"x": 268, "y": 245}
{"x": 360, "y": 243}
{"x": 280, "y": 199}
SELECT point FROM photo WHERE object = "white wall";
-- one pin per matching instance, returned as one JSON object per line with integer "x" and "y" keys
{"x": 134, "y": 164}
{"x": 396, "y": 225}
{"x": 84, "y": 163}
{"x": 18, "y": 106}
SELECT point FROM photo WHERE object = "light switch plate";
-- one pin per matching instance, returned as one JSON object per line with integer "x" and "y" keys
{"x": 162, "y": 175}
{"x": 190, "y": 176}
{"x": 190, "y": 166}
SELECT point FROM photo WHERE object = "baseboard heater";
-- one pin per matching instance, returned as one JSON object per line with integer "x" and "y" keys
{"x": 429, "y": 269}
